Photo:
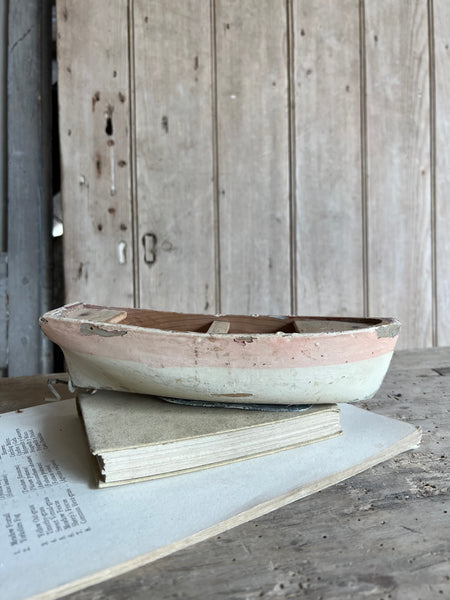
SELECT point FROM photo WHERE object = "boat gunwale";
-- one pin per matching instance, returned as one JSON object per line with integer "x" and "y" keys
{"x": 56, "y": 315}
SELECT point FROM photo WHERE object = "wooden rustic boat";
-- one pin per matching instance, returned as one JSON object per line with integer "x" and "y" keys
{"x": 224, "y": 358}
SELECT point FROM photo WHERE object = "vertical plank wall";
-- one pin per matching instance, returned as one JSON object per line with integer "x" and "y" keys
{"x": 330, "y": 244}
{"x": 398, "y": 134}
{"x": 3, "y": 192}
{"x": 93, "y": 78}
{"x": 174, "y": 155}
{"x": 28, "y": 186}
{"x": 268, "y": 156}
{"x": 253, "y": 148}
{"x": 441, "y": 80}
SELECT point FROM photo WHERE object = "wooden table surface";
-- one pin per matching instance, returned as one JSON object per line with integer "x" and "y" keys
{"x": 379, "y": 535}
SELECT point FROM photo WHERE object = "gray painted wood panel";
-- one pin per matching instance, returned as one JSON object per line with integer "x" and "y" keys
{"x": 3, "y": 314}
{"x": 3, "y": 192}
{"x": 398, "y": 142}
{"x": 253, "y": 147}
{"x": 174, "y": 155}
{"x": 3, "y": 123}
{"x": 95, "y": 150}
{"x": 442, "y": 141}
{"x": 328, "y": 158}
{"x": 29, "y": 185}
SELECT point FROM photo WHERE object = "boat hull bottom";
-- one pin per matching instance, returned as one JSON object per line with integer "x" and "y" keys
{"x": 323, "y": 384}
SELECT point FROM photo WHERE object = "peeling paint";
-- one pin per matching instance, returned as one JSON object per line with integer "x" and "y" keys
{"x": 245, "y": 339}
{"x": 389, "y": 330}
{"x": 112, "y": 170}
{"x": 95, "y": 99}
{"x": 121, "y": 252}
{"x": 87, "y": 329}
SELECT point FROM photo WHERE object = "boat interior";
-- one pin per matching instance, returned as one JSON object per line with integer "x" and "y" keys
{"x": 215, "y": 324}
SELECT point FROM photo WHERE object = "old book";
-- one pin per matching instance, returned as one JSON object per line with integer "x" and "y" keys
{"x": 133, "y": 437}
{"x": 59, "y": 528}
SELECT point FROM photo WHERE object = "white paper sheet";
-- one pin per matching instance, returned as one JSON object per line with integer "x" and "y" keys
{"x": 57, "y": 530}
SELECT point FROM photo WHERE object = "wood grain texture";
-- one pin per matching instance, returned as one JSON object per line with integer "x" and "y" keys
{"x": 398, "y": 134}
{"x": 18, "y": 392}
{"x": 383, "y": 532}
{"x": 29, "y": 184}
{"x": 174, "y": 155}
{"x": 3, "y": 127}
{"x": 328, "y": 158}
{"x": 253, "y": 150}
{"x": 95, "y": 150}
{"x": 442, "y": 95}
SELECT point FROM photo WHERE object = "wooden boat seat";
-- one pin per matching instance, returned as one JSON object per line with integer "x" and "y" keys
{"x": 219, "y": 327}
{"x": 99, "y": 315}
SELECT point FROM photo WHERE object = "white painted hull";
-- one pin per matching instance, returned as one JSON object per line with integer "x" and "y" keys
{"x": 309, "y": 385}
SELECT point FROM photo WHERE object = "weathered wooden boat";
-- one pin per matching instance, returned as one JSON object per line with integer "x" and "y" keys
{"x": 223, "y": 358}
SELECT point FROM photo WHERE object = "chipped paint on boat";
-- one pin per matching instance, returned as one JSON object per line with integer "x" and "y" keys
{"x": 287, "y": 368}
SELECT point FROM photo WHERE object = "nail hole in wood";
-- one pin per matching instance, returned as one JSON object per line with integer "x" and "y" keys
{"x": 109, "y": 126}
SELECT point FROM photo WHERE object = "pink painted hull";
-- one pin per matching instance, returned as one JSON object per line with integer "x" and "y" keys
{"x": 340, "y": 360}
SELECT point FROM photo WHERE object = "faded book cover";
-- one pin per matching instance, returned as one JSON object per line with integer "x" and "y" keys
{"x": 132, "y": 437}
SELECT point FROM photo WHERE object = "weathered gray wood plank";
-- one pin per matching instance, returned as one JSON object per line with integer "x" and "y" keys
{"x": 4, "y": 313}
{"x": 398, "y": 133}
{"x": 330, "y": 278}
{"x": 3, "y": 191}
{"x": 442, "y": 140}
{"x": 3, "y": 127}
{"x": 95, "y": 150}
{"x": 253, "y": 156}
{"x": 29, "y": 184}
{"x": 172, "y": 53}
